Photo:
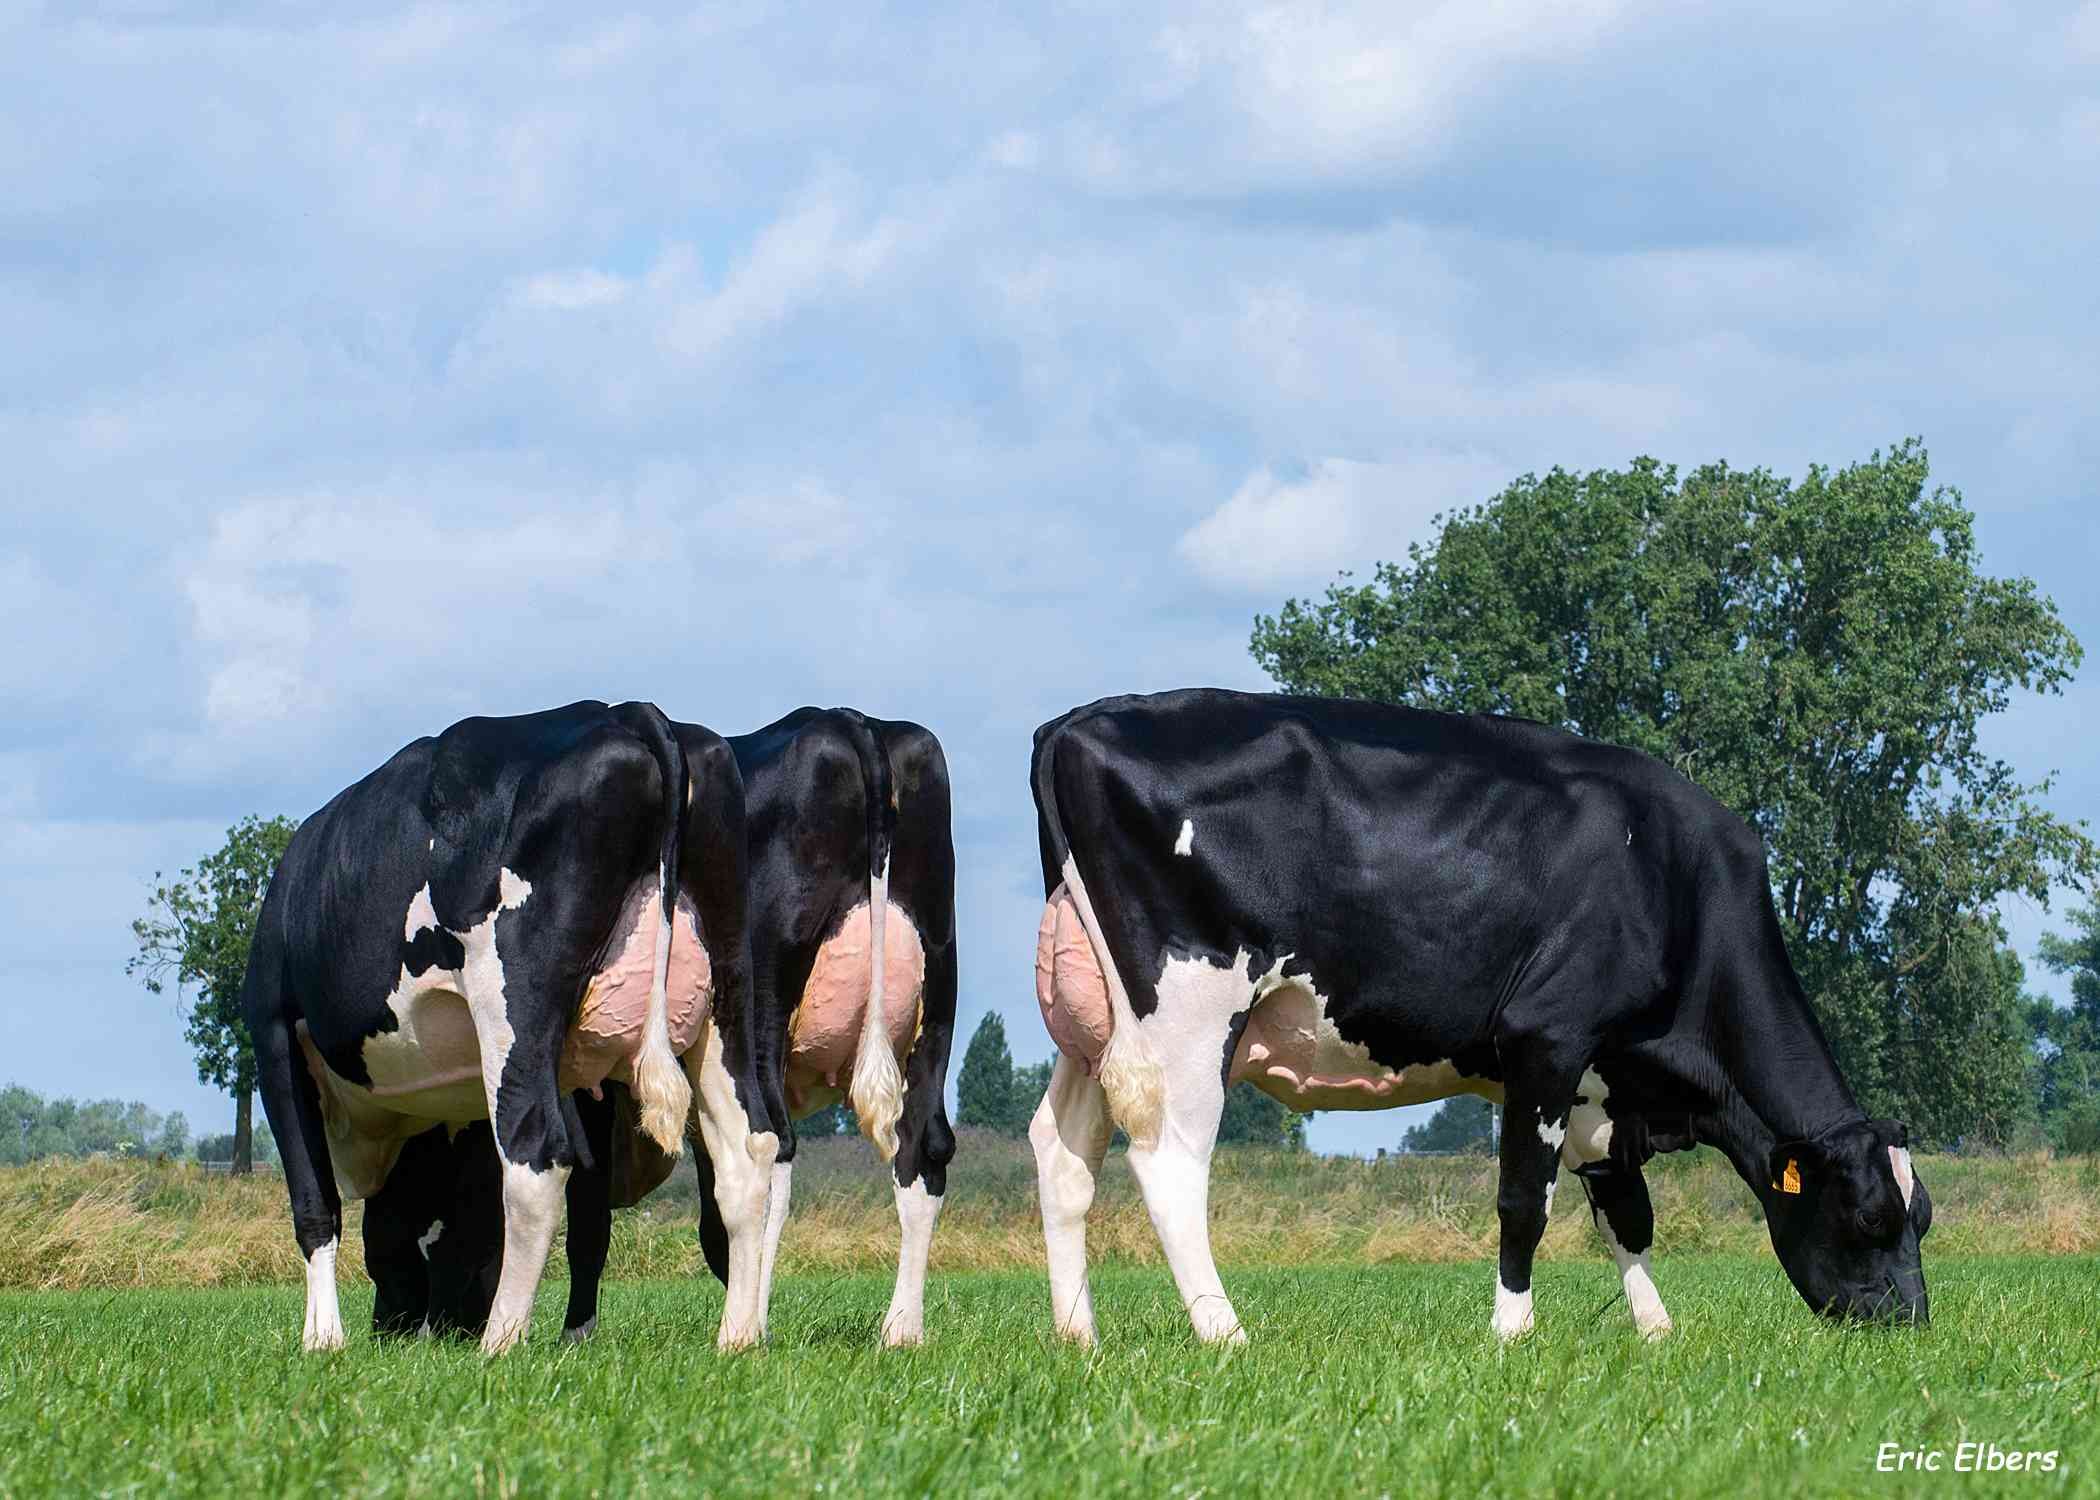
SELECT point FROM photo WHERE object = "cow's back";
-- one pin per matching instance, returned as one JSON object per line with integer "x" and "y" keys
{"x": 1404, "y": 866}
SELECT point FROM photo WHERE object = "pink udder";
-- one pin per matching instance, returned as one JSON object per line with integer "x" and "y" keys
{"x": 825, "y": 1033}
{"x": 607, "y": 1034}
{"x": 1069, "y": 984}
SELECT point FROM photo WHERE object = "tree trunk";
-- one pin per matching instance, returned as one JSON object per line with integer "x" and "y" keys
{"x": 243, "y": 1131}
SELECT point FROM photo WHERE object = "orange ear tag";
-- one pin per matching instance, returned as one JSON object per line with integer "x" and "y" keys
{"x": 1790, "y": 1180}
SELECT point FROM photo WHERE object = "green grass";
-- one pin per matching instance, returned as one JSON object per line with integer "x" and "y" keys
{"x": 1359, "y": 1380}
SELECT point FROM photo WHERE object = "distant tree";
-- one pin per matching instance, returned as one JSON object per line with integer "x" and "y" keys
{"x": 984, "y": 1089}
{"x": 2068, "y": 1036}
{"x": 173, "y": 1137}
{"x": 1820, "y": 656}
{"x": 33, "y": 1127}
{"x": 1464, "y": 1124}
{"x": 832, "y": 1120}
{"x": 195, "y": 936}
{"x": 1031, "y": 1082}
{"x": 1252, "y": 1118}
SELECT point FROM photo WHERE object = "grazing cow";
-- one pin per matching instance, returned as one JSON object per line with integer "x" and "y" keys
{"x": 434, "y": 1230}
{"x": 515, "y": 909}
{"x": 852, "y": 912}
{"x": 1355, "y": 906}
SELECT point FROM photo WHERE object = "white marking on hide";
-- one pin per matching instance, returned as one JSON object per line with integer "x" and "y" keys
{"x": 1642, "y": 1299}
{"x": 511, "y": 890}
{"x": 1588, "y": 1126}
{"x": 1292, "y": 1051}
{"x": 422, "y": 916}
{"x": 1186, "y": 843}
{"x": 437, "y": 1227}
{"x": 1187, "y": 1031}
{"x": 1906, "y": 1175}
{"x": 532, "y": 1205}
{"x": 1553, "y": 1135}
{"x": 324, "y": 1314}
{"x": 1551, "y": 1183}
{"x": 917, "y": 1212}
{"x": 1512, "y": 1312}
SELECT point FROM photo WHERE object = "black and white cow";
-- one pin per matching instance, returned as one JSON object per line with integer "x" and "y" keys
{"x": 1355, "y": 906}
{"x": 852, "y": 919}
{"x": 498, "y": 916}
{"x": 853, "y": 948}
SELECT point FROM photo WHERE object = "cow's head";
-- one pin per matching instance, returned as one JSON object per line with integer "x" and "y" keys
{"x": 1847, "y": 1212}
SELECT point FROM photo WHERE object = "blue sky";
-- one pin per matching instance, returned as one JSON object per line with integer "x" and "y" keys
{"x": 359, "y": 374}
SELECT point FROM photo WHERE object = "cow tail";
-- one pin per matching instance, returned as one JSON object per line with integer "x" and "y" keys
{"x": 660, "y": 1085}
{"x": 877, "y": 1087}
{"x": 1129, "y": 1074}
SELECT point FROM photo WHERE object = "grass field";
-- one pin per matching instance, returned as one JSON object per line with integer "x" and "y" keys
{"x": 148, "y": 1345}
{"x": 1371, "y": 1380}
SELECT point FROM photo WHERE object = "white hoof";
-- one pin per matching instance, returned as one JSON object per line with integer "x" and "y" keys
{"x": 1513, "y": 1318}
{"x": 1651, "y": 1329}
{"x": 581, "y": 1331}
{"x": 324, "y": 1315}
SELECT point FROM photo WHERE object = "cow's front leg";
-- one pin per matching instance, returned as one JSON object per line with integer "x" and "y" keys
{"x": 1534, "y": 1125}
{"x": 1070, "y": 1134}
{"x": 1624, "y": 1217}
{"x": 590, "y": 1218}
{"x": 1173, "y": 1173}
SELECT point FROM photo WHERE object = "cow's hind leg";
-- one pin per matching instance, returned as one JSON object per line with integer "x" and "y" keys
{"x": 925, "y": 1146}
{"x": 521, "y": 1037}
{"x": 292, "y": 1105}
{"x": 737, "y": 1179}
{"x": 777, "y": 1199}
{"x": 1192, "y": 1035}
{"x": 1070, "y": 1134}
{"x": 1173, "y": 1173}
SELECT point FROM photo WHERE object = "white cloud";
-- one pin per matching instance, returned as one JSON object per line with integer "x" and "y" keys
{"x": 568, "y": 291}
{"x": 1285, "y": 531}
{"x": 1327, "y": 85}
{"x": 813, "y": 251}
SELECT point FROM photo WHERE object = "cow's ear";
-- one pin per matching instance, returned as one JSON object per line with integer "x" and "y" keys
{"x": 1890, "y": 1132}
{"x": 1790, "y": 1160}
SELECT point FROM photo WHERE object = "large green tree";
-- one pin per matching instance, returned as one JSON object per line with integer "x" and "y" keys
{"x": 1821, "y": 656}
{"x": 2069, "y": 1036}
{"x": 195, "y": 936}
